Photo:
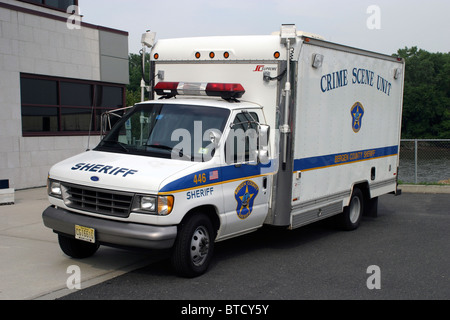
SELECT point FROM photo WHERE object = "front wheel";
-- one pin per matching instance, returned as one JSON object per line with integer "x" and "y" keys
{"x": 194, "y": 246}
{"x": 351, "y": 217}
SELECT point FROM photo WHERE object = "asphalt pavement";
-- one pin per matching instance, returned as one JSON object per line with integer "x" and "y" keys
{"x": 409, "y": 242}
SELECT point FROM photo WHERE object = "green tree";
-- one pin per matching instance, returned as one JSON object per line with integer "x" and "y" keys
{"x": 426, "y": 107}
{"x": 134, "y": 87}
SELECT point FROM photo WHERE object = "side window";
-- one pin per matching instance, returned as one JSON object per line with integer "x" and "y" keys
{"x": 242, "y": 142}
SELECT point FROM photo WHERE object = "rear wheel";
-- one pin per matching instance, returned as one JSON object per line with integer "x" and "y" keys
{"x": 77, "y": 249}
{"x": 194, "y": 246}
{"x": 351, "y": 217}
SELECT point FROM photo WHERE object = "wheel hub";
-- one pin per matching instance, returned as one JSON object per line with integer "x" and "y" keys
{"x": 355, "y": 209}
{"x": 199, "y": 246}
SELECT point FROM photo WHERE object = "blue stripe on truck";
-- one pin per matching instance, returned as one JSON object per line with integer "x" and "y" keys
{"x": 226, "y": 174}
{"x": 320, "y": 162}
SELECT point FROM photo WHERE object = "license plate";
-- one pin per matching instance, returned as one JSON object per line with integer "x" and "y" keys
{"x": 85, "y": 234}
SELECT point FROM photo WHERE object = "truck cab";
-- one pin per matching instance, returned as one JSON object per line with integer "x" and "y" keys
{"x": 163, "y": 164}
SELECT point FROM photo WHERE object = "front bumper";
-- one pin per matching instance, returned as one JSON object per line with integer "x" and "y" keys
{"x": 109, "y": 232}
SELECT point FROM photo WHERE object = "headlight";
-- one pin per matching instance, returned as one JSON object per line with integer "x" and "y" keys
{"x": 144, "y": 204}
{"x": 148, "y": 204}
{"x": 152, "y": 205}
{"x": 54, "y": 188}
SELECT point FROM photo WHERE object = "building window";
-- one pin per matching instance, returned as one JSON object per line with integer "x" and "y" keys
{"x": 59, "y": 106}
{"x": 54, "y": 4}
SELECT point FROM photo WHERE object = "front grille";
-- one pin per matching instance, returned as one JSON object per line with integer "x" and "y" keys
{"x": 100, "y": 201}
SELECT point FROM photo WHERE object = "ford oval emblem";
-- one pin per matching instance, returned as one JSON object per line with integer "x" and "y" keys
{"x": 95, "y": 179}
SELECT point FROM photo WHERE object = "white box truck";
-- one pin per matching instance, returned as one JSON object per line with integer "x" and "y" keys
{"x": 282, "y": 130}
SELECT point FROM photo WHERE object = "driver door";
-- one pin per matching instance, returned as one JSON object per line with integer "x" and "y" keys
{"x": 246, "y": 184}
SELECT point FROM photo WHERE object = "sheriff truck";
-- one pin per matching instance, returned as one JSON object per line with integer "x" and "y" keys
{"x": 238, "y": 133}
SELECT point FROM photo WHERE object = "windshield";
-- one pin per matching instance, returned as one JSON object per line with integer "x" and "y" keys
{"x": 173, "y": 131}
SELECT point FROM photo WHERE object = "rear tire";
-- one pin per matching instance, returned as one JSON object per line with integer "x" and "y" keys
{"x": 77, "y": 249}
{"x": 351, "y": 217}
{"x": 194, "y": 246}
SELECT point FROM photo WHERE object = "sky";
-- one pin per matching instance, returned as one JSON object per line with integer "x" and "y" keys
{"x": 377, "y": 25}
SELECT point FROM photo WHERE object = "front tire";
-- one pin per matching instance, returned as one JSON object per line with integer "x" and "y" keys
{"x": 350, "y": 219}
{"x": 194, "y": 246}
{"x": 77, "y": 249}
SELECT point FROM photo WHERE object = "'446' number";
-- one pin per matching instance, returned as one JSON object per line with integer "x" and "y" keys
{"x": 200, "y": 178}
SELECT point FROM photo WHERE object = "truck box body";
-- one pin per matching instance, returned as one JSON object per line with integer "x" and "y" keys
{"x": 328, "y": 156}
{"x": 334, "y": 114}
{"x": 347, "y": 127}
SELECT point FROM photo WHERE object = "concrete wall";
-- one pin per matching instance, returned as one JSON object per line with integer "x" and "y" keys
{"x": 31, "y": 43}
{"x": 113, "y": 57}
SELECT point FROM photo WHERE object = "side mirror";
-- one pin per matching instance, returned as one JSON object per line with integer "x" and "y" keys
{"x": 214, "y": 137}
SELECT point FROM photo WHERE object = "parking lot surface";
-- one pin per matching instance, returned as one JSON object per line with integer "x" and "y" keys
{"x": 401, "y": 254}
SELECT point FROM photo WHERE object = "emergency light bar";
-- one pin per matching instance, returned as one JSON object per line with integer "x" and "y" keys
{"x": 223, "y": 90}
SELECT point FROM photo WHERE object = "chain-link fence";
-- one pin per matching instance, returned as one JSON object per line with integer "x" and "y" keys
{"x": 424, "y": 161}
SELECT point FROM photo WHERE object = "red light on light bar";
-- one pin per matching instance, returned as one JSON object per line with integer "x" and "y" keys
{"x": 223, "y": 90}
{"x": 163, "y": 88}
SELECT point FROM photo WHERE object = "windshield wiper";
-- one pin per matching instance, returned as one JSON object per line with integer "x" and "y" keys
{"x": 171, "y": 149}
{"x": 158, "y": 146}
{"x": 116, "y": 143}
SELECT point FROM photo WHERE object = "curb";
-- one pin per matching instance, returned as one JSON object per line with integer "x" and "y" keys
{"x": 433, "y": 189}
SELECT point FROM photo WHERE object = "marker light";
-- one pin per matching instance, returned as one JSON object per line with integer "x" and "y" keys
{"x": 223, "y": 90}
{"x": 212, "y": 55}
{"x": 165, "y": 205}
